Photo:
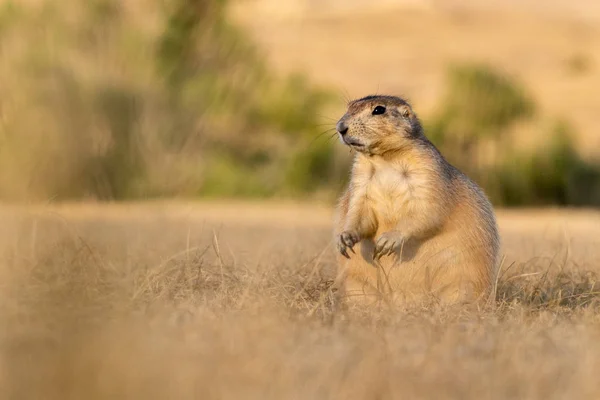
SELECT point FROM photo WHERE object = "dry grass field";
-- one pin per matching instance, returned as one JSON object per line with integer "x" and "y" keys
{"x": 232, "y": 301}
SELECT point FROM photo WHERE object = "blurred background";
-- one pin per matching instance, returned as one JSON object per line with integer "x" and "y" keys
{"x": 138, "y": 99}
{"x": 124, "y": 100}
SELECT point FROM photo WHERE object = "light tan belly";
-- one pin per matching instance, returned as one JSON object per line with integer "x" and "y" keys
{"x": 437, "y": 268}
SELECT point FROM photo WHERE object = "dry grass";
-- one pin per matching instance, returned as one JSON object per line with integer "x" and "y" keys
{"x": 190, "y": 301}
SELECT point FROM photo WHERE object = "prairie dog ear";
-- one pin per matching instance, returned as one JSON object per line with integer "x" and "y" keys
{"x": 405, "y": 111}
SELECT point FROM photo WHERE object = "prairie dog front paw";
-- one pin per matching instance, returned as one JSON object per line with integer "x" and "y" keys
{"x": 347, "y": 240}
{"x": 387, "y": 244}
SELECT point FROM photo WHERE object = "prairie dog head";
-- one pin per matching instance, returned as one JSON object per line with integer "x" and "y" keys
{"x": 375, "y": 125}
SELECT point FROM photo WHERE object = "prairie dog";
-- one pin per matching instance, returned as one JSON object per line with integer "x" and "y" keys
{"x": 410, "y": 226}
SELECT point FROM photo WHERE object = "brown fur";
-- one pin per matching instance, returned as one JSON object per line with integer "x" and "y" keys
{"x": 440, "y": 225}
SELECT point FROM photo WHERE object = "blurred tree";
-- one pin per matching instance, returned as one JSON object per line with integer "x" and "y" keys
{"x": 481, "y": 105}
{"x": 165, "y": 100}
{"x": 478, "y": 103}
{"x": 210, "y": 69}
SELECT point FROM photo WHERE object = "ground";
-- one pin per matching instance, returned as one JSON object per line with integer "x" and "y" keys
{"x": 232, "y": 300}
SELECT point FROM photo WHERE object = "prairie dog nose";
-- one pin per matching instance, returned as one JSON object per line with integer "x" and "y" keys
{"x": 342, "y": 128}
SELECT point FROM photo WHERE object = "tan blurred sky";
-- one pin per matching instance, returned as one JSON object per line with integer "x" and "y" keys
{"x": 582, "y": 9}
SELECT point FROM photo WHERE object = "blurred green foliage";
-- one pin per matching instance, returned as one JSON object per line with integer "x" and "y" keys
{"x": 478, "y": 103}
{"x": 556, "y": 176}
{"x": 108, "y": 100}
{"x": 480, "y": 107}
{"x": 170, "y": 100}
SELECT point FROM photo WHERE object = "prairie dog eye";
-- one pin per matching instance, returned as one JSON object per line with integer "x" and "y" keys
{"x": 378, "y": 110}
